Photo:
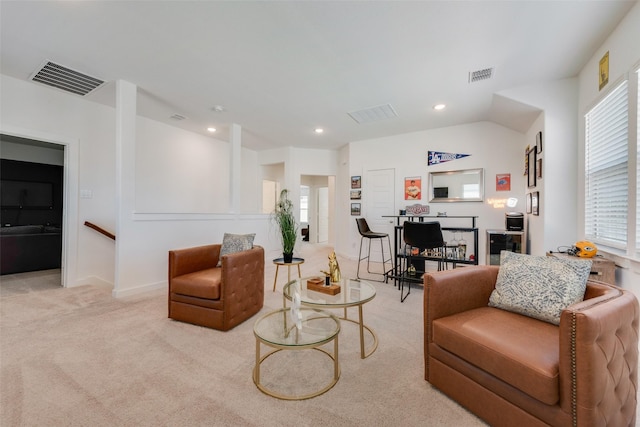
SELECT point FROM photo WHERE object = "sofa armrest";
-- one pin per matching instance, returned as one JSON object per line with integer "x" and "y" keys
{"x": 599, "y": 359}
{"x": 189, "y": 260}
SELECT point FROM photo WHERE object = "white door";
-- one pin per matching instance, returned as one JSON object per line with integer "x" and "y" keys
{"x": 323, "y": 214}
{"x": 379, "y": 196}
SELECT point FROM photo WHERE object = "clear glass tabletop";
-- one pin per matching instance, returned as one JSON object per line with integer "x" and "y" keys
{"x": 353, "y": 292}
{"x": 279, "y": 329}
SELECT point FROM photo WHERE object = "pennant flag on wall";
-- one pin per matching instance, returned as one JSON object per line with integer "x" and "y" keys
{"x": 437, "y": 157}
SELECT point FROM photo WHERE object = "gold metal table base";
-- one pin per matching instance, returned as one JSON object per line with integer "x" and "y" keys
{"x": 362, "y": 327}
{"x": 265, "y": 390}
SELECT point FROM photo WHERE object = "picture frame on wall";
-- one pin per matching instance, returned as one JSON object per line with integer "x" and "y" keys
{"x": 356, "y": 194}
{"x": 413, "y": 188}
{"x": 539, "y": 169}
{"x": 356, "y": 209}
{"x": 528, "y": 203}
{"x": 356, "y": 181}
{"x": 539, "y": 142}
{"x": 531, "y": 171}
{"x": 535, "y": 203}
{"x": 503, "y": 182}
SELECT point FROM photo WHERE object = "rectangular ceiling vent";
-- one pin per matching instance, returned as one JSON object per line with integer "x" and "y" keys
{"x": 479, "y": 75}
{"x": 374, "y": 114}
{"x": 52, "y": 74}
{"x": 177, "y": 117}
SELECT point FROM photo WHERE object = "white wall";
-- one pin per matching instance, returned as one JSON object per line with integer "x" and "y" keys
{"x": 89, "y": 130}
{"x": 179, "y": 172}
{"x": 556, "y": 224}
{"x": 624, "y": 55}
{"x": 32, "y": 111}
{"x": 492, "y": 147}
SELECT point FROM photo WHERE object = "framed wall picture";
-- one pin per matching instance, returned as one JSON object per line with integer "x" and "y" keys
{"x": 531, "y": 172}
{"x": 539, "y": 169}
{"x": 413, "y": 188}
{"x": 356, "y": 181}
{"x": 355, "y": 209}
{"x": 356, "y": 194}
{"x": 535, "y": 203}
{"x": 503, "y": 182}
{"x": 528, "y": 203}
{"x": 539, "y": 142}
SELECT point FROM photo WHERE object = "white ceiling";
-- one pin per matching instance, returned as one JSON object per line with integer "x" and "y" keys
{"x": 281, "y": 69}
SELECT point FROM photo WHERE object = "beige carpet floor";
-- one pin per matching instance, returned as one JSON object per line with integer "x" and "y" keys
{"x": 78, "y": 357}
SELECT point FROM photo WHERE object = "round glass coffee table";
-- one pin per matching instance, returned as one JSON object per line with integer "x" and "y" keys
{"x": 353, "y": 293}
{"x": 277, "y": 330}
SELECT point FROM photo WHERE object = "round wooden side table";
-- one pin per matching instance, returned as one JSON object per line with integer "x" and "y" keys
{"x": 280, "y": 262}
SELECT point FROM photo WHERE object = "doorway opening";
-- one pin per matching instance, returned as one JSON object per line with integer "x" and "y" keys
{"x": 33, "y": 187}
{"x": 317, "y": 208}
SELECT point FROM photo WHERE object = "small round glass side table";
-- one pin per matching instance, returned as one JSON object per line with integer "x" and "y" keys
{"x": 277, "y": 330}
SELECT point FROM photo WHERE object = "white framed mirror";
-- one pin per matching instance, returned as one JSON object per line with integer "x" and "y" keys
{"x": 456, "y": 186}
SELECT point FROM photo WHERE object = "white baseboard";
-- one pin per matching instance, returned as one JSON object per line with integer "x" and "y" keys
{"x": 139, "y": 289}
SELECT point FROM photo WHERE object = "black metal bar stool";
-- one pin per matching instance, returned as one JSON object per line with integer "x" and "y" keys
{"x": 366, "y": 233}
{"x": 421, "y": 235}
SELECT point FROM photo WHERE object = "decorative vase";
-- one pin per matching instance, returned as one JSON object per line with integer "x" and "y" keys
{"x": 288, "y": 257}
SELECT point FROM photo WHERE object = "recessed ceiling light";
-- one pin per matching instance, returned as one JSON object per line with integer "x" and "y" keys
{"x": 319, "y": 130}
{"x": 210, "y": 129}
{"x": 439, "y": 107}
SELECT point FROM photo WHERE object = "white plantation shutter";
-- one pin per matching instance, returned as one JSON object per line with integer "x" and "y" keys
{"x": 606, "y": 172}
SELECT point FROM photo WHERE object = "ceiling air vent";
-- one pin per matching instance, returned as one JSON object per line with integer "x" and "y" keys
{"x": 177, "y": 117}
{"x": 484, "y": 74}
{"x": 374, "y": 114}
{"x": 52, "y": 74}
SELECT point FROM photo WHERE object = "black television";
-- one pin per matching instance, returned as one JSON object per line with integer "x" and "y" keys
{"x": 441, "y": 192}
{"x": 26, "y": 194}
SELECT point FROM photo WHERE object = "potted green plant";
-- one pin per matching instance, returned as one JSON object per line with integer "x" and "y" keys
{"x": 283, "y": 216}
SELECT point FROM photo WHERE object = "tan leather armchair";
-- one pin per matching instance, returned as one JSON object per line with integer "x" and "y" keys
{"x": 215, "y": 297}
{"x": 513, "y": 370}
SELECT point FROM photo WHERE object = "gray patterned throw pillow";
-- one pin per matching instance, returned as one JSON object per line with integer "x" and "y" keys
{"x": 539, "y": 286}
{"x": 235, "y": 243}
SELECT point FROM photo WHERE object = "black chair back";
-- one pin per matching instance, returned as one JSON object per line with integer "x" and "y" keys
{"x": 423, "y": 235}
{"x": 363, "y": 227}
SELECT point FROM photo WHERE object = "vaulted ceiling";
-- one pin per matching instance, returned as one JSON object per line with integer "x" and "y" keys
{"x": 282, "y": 69}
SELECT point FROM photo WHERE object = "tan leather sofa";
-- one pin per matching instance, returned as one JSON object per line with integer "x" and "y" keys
{"x": 215, "y": 297}
{"x": 513, "y": 370}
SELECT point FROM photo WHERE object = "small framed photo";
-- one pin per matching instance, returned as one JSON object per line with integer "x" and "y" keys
{"x": 528, "y": 203}
{"x": 413, "y": 188}
{"x": 531, "y": 172}
{"x": 535, "y": 203}
{"x": 356, "y": 194}
{"x": 356, "y": 182}
{"x": 539, "y": 169}
{"x": 539, "y": 142}
{"x": 355, "y": 209}
{"x": 503, "y": 182}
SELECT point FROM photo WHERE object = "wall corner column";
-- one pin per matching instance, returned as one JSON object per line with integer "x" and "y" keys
{"x": 235, "y": 178}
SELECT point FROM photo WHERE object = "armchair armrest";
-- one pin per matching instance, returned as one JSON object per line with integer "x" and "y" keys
{"x": 189, "y": 260}
{"x": 242, "y": 284}
{"x": 599, "y": 358}
{"x": 458, "y": 290}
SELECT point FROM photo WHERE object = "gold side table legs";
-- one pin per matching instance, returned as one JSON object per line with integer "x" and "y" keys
{"x": 280, "y": 262}
{"x": 267, "y": 391}
{"x": 362, "y": 327}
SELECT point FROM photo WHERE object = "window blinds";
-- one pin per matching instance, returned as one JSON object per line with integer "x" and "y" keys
{"x": 606, "y": 173}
